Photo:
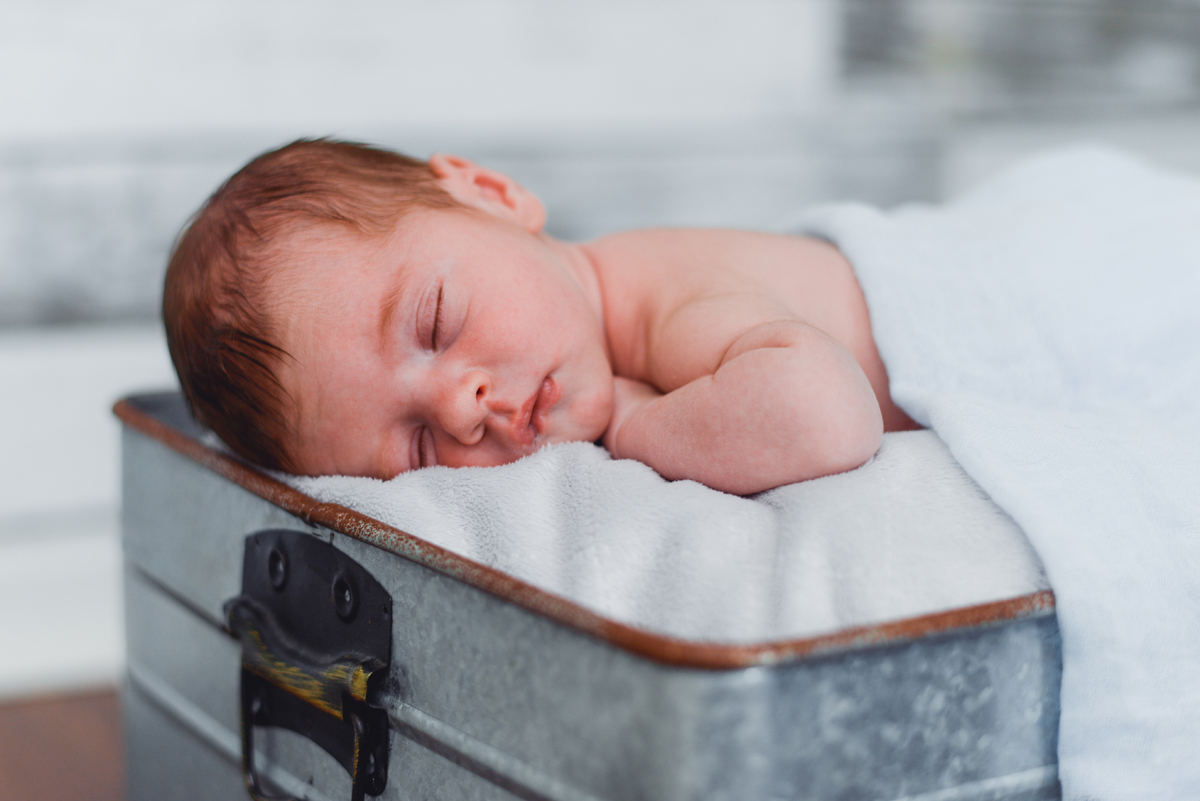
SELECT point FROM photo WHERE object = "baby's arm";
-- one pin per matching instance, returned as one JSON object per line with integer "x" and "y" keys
{"x": 785, "y": 403}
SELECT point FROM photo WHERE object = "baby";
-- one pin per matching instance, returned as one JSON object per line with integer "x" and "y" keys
{"x": 341, "y": 309}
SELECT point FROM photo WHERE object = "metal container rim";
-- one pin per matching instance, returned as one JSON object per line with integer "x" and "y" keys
{"x": 133, "y": 411}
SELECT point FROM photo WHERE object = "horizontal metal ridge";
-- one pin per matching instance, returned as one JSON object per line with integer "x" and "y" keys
{"x": 203, "y": 727}
{"x": 994, "y": 789}
{"x": 490, "y": 763}
{"x": 501, "y": 769}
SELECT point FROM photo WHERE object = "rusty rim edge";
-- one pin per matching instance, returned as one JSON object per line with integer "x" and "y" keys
{"x": 657, "y": 647}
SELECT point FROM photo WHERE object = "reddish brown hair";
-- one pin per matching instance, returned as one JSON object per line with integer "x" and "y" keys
{"x": 221, "y": 340}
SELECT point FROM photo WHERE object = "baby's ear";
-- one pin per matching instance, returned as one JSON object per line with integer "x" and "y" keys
{"x": 488, "y": 190}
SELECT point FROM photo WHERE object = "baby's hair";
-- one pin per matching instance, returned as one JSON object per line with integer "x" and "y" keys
{"x": 222, "y": 342}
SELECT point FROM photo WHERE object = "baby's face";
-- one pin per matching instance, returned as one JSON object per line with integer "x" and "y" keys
{"x": 461, "y": 339}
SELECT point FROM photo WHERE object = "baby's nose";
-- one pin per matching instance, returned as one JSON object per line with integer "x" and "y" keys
{"x": 462, "y": 408}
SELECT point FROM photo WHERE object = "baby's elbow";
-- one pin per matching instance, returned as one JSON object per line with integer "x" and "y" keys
{"x": 861, "y": 439}
{"x": 846, "y": 437}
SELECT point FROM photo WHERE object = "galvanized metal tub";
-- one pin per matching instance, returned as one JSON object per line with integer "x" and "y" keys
{"x": 496, "y": 689}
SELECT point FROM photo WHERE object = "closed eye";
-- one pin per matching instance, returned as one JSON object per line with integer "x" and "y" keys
{"x": 437, "y": 320}
{"x": 423, "y": 452}
{"x": 429, "y": 321}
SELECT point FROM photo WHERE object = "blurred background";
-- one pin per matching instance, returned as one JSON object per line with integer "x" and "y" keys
{"x": 118, "y": 118}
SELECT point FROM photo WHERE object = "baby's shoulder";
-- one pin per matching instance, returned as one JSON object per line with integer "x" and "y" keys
{"x": 711, "y": 247}
{"x": 696, "y": 244}
{"x": 648, "y": 273}
{"x": 690, "y": 262}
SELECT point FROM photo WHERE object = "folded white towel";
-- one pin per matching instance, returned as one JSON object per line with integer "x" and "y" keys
{"x": 907, "y": 534}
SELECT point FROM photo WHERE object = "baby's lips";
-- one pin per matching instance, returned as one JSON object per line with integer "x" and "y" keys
{"x": 548, "y": 395}
{"x": 523, "y": 432}
{"x": 529, "y": 422}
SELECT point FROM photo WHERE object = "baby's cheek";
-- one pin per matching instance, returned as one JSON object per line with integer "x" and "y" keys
{"x": 603, "y": 409}
{"x": 480, "y": 455}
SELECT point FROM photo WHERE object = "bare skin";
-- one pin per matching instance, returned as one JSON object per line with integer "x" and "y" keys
{"x": 469, "y": 337}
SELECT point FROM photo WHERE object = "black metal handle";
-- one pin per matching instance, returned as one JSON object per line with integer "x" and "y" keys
{"x": 251, "y": 706}
{"x": 368, "y": 754}
{"x": 322, "y": 680}
{"x": 314, "y": 628}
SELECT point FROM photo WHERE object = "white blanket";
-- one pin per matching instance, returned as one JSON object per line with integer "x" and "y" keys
{"x": 1047, "y": 326}
{"x": 905, "y": 535}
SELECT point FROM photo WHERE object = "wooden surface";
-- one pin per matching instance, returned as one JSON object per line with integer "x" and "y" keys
{"x": 62, "y": 747}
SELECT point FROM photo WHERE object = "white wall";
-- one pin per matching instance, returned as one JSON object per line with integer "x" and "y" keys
{"x": 70, "y": 66}
{"x": 118, "y": 118}
{"x": 60, "y": 612}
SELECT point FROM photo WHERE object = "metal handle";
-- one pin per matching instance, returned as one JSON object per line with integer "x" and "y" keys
{"x": 314, "y": 627}
{"x": 251, "y": 706}
{"x": 365, "y": 771}
{"x": 267, "y": 650}
{"x": 283, "y": 682}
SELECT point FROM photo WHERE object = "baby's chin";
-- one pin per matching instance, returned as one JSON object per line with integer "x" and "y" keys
{"x": 587, "y": 418}
{"x": 587, "y": 427}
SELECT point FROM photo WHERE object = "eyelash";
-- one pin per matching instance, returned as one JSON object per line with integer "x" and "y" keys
{"x": 437, "y": 320}
{"x": 425, "y": 436}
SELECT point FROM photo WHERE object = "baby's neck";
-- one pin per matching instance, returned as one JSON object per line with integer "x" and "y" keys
{"x": 580, "y": 263}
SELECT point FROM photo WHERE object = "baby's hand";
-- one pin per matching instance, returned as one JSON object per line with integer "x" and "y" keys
{"x": 628, "y": 397}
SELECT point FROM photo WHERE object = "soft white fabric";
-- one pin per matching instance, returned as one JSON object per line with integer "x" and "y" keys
{"x": 1047, "y": 326}
{"x": 906, "y": 534}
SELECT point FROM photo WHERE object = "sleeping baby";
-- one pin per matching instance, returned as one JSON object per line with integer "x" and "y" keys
{"x": 342, "y": 309}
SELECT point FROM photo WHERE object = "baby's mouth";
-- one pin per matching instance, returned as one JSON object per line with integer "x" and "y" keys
{"x": 547, "y": 395}
{"x": 533, "y": 411}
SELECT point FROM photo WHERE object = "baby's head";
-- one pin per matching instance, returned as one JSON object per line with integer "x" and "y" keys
{"x": 335, "y": 308}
